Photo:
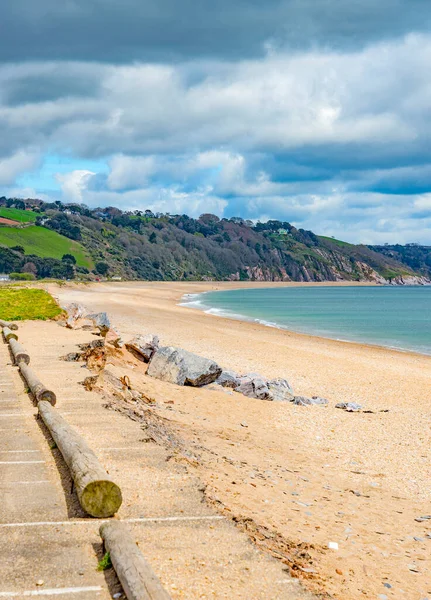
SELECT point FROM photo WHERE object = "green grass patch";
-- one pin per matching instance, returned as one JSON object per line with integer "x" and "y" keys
{"x": 18, "y": 304}
{"x": 105, "y": 563}
{"x": 16, "y": 214}
{"x": 334, "y": 241}
{"x": 45, "y": 243}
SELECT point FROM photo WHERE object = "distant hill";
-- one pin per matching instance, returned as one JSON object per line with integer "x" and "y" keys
{"x": 56, "y": 240}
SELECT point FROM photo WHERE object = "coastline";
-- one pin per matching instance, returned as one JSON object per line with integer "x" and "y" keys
{"x": 313, "y": 475}
{"x": 196, "y": 301}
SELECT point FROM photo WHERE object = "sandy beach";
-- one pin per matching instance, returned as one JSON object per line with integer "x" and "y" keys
{"x": 314, "y": 474}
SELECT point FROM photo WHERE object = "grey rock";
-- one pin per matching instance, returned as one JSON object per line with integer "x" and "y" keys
{"x": 74, "y": 312}
{"x": 349, "y": 406}
{"x": 424, "y": 518}
{"x": 254, "y": 385}
{"x": 71, "y": 357}
{"x": 229, "y": 379}
{"x": 143, "y": 346}
{"x": 303, "y": 401}
{"x": 183, "y": 368}
{"x": 101, "y": 321}
{"x": 281, "y": 390}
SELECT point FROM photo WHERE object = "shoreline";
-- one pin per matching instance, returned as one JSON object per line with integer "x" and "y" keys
{"x": 224, "y": 314}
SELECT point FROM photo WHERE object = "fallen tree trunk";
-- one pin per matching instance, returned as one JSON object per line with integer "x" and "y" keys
{"x": 134, "y": 572}
{"x": 19, "y": 352}
{"x": 98, "y": 495}
{"x": 8, "y": 334}
{"x": 39, "y": 391}
{"x": 12, "y": 326}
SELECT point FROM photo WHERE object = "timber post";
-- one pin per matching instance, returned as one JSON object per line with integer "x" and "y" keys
{"x": 39, "y": 391}
{"x": 98, "y": 495}
{"x": 134, "y": 572}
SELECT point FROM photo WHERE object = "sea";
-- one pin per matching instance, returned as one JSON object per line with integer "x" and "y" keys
{"x": 397, "y": 317}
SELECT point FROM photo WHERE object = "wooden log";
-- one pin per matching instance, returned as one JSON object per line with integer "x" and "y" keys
{"x": 98, "y": 495}
{"x": 8, "y": 334}
{"x": 134, "y": 572}
{"x": 12, "y": 326}
{"x": 19, "y": 352}
{"x": 39, "y": 391}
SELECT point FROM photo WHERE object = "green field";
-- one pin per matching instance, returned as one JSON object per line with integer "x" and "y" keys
{"x": 17, "y": 304}
{"x": 334, "y": 241}
{"x": 44, "y": 243}
{"x": 16, "y": 214}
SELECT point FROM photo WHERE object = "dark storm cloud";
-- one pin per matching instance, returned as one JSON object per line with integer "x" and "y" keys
{"x": 127, "y": 30}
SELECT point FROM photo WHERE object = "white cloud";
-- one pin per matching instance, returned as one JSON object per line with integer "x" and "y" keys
{"x": 20, "y": 162}
{"x": 74, "y": 184}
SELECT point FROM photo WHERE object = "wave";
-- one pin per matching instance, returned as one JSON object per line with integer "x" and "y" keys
{"x": 197, "y": 301}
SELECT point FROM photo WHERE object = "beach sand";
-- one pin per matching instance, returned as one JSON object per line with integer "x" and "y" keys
{"x": 312, "y": 474}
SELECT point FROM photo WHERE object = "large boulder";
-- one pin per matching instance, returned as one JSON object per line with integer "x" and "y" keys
{"x": 254, "y": 385}
{"x": 281, "y": 390}
{"x": 143, "y": 346}
{"x": 74, "y": 312}
{"x": 183, "y": 368}
{"x": 101, "y": 322}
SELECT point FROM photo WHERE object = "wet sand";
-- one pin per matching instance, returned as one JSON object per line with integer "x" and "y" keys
{"x": 313, "y": 474}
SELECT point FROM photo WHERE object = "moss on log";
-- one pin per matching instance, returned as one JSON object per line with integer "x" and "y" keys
{"x": 39, "y": 391}
{"x": 19, "y": 352}
{"x": 12, "y": 326}
{"x": 98, "y": 495}
{"x": 8, "y": 334}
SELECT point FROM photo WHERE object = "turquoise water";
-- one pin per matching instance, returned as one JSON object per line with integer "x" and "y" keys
{"x": 397, "y": 317}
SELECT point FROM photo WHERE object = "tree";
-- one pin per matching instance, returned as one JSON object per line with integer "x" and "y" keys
{"x": 102, "y": 268}
{"x": 30, "y": 267}
{"x": 153, "y": 238}
{"x": 69, "y": 258}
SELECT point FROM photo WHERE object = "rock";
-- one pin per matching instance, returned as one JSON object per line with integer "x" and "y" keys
{"x": 71, "y": 357}
{"x": 229, "y": 379}
{"x": 303, "y": 401}
{"x": 143, "y": 346}
{"x": 424, "y": 518}
{"x": 183, "y": 368}
{"x": 101, "y": 321}
{"x": 349, "y": 406}
{"x": 281, "y": 390}
{"x": 74, "y": 312}
{"x": 92, "y": 344}
{"x": 114, "y": 339}
{"x": 254, "y": 385}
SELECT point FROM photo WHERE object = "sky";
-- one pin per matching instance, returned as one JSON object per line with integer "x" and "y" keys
{"x": 316, "y": 112}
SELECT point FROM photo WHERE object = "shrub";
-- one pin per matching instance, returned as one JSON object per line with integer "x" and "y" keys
{"x": 22, "y": 276}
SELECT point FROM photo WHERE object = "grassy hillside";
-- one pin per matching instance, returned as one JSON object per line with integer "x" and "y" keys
{"x": 16, "y": 214}
{"x": 156, "y": 246}
{"x": 44, "y": 243}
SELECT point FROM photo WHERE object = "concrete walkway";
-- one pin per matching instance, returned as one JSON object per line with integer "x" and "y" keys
{"x": 48, "y": 547}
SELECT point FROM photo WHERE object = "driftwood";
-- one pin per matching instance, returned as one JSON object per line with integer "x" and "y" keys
{"x": 98, "y": 495}
{"x": 8, "y": 334}
{"x": 134, "y": 572}
{"x": 12, "y": 326}
{"x": 39, "y": 391}
{"x": 19, "y": 352}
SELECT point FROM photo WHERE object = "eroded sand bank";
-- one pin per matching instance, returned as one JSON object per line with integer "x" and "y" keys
{"x": 314, "y": 475}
